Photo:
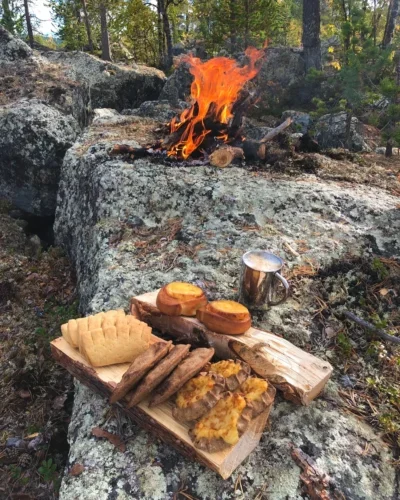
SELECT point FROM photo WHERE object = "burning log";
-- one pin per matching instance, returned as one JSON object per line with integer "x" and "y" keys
{"x": 250, "y": 150}
{"x": 224, "y": 156}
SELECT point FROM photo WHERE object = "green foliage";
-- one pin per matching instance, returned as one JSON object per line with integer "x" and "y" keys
{"x": 379, "y": 267}
{"x": 48, "y": 471}
{"x": 344, "y": 344}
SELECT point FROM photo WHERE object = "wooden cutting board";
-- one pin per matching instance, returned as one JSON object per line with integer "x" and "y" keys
{"x": 298, "y": 374}
{"x": 159, "y": 420}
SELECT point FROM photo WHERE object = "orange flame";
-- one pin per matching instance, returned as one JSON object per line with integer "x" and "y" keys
{"x": 215, "y": 89}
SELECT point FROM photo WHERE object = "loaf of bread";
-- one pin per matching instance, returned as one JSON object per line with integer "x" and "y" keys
{"x": 108, "y": 338}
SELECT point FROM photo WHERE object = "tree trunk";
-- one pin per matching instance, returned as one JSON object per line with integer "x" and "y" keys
{"x": 391, "y": 19}
{"x": 389, "y": 148}
{"x": 87, "y": 24}
{"x": 311, "y": 31}
{"x": 28, "y": 23}
{"x": 105, "y": 41}
{"x": 233, "y": 27}
{"x": 246, "y": 23}
{"x": 168, "y": 38}
{"x": 160, "y": 32}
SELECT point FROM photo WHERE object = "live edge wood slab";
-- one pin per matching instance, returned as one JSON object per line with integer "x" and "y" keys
{"x": 159, "y": 420}
{"x": 298, "y": 374}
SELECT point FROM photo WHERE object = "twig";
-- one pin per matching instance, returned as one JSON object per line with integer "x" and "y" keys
{"x": 277, "y": 130}
{"x": 373, "y": 328}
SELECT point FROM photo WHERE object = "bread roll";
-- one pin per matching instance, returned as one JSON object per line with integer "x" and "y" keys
{"x": 180, "y": 299}
{"x": 225, "y": 316}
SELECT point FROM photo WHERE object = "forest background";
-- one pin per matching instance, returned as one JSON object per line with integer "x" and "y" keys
{"x": 351, "y": 47}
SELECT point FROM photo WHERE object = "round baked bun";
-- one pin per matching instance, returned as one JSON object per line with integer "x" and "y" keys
{"x": 180, "y": 299}
{"x": 225, "y": 316}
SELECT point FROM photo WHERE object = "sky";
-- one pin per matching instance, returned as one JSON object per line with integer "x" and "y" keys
{"x": 42, "y": 11}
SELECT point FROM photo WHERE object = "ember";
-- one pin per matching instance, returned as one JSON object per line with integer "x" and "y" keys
{"x": 214, "y": 91}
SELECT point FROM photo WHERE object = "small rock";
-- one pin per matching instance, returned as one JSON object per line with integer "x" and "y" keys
{"x": 134, "y": 221}
{"x": 346, "y": 381}
{"x": 11, "y": 442}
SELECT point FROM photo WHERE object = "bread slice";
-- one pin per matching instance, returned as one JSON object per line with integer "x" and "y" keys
{"x": 138, "y": 369}
{"x": 158, "y": 374}
{"x": 189, "y": 367}
{"x": 111, "y": 345}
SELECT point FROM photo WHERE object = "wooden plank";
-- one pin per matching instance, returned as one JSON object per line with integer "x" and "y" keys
{"x": 159, "y": 420}
{"x": 299, "y": 375}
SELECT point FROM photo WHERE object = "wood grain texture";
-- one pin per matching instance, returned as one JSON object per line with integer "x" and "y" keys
{"x": 299, "y": 375}
{"x": 159, "y": 420}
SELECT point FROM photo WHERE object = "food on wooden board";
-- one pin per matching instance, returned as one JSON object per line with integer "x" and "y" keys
{"x": 234, "y": 372}
{"x": 198, "y": 396}
{"x": 225, "y": 316}
{"x": 255, "y": 391}
{"x": 223, "y": 425}
{"x": 120, "y": 343}
{"x": 72, "y": 330}
{"x": 189, "y": 367}
{"x": 139, "y": 367}
{"x": 155, "y": 376}
{"x": 180, "y": 299}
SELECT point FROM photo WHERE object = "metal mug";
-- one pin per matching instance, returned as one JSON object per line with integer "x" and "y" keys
{"x": 260, "y": 278}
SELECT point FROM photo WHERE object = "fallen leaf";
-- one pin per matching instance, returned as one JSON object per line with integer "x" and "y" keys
{"x": 76, "y": 470}
{"x": 31, "y": 436}
{"x": 59, "y": 401}
{"x": 383, "y": 291}
{"x": 113, "y": 438}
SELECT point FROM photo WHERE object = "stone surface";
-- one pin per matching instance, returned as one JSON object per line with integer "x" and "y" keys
{"x": 161, "y": 110}
{"x": 111, "y": 85}
{"x": 12, "y": 48}
{"x": 301, "y": 121}
{"x": 130, "y": 228}
{"x": 330, "y": 132}
{"x": 33, "y": 141}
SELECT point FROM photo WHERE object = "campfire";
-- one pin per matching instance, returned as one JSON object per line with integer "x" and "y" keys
{"x": 211, "y": 128}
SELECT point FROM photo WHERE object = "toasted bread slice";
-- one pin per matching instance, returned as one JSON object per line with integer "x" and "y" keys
{"x": 234, "y": 372}
{"x": 189, "y": 367}
{"x": 223, "y": 425}
{"x": 158, "y": 374}
{"x": 138, "y": 369}
{"x": 198, "y": 396}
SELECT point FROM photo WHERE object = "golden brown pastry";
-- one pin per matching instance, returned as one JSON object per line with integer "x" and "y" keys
{"x": 255, "y": 391}
{"x": 189, "y": 367}
{"x": 225, "y": 316}
{"x": 198, "y": 396}
{"x": 234, "y": 372}
{"x": 180, "y": 299}
{"x": 223, "y": 425}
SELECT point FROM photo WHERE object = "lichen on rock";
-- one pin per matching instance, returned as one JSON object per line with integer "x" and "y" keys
{"x": 132, "y": 227}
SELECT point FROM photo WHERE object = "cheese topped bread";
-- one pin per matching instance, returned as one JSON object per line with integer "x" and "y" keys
{"x": 108, "y": 338}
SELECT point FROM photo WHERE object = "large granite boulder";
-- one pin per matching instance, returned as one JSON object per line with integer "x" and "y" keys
{"x": 330, "y": 132}
{"x": 111, "y": 85}
{"x": 130, "y": 228}
{"x": 33, "y": 140}
{"x": 12, "y": 48}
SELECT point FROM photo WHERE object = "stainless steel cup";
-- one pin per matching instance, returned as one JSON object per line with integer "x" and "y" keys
{"x": 261, "y": 278}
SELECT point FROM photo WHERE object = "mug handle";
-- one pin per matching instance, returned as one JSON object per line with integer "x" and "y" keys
{"x": 286, "y": 286}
